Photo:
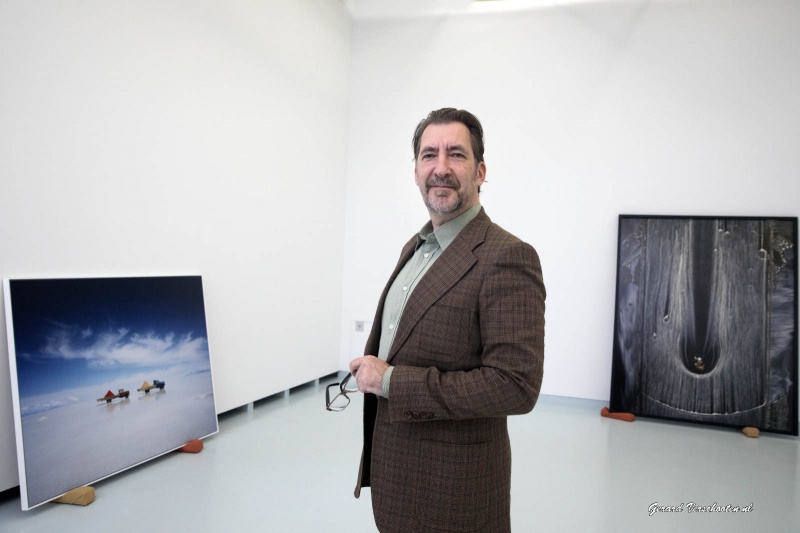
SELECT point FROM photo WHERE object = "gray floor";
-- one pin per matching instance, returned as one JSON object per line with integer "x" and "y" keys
{"x": 288, "y": 465}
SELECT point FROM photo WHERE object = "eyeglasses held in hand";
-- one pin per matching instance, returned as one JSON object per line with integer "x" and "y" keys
{"x": 341, "y": 400}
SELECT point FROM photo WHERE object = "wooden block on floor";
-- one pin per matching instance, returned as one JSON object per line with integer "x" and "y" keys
{"x": 626, "y": 417}
{"x": 753, "y": 433}
{"x": 193, "y": 446}
{"x": 79, "y": 496}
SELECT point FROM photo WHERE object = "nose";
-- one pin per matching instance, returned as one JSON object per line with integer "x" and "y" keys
{"x": 442, "y": 166}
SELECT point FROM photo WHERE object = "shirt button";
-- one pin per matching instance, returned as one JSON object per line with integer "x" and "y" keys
{"x": 391, "y": 326}
{"x": 405, "y": 288}
{"x": 426, "y": 255}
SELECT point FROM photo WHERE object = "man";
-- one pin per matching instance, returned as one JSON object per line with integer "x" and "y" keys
{"x": 456, "y": 346}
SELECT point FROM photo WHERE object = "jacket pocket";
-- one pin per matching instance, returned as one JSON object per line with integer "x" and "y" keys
{"x": 447, "y": 334}
{"x": 462, "y": 487}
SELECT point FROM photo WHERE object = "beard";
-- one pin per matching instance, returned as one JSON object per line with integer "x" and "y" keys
{"x": 443, "y": 202}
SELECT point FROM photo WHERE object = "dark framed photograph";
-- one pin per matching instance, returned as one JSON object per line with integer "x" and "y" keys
{"x": 106, "y": 374}
{"x": 705, "y": 326}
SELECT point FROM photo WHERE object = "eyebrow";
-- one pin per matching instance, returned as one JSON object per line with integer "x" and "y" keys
{"x": 451, "y": 148}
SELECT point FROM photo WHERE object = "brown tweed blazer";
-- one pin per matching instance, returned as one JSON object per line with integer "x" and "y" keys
{"x": 468, "y": 351}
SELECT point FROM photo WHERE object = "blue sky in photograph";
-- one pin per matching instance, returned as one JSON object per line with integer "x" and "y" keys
{"x": 73, "y": 334}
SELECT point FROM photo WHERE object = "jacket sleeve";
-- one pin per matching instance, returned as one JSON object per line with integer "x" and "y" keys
{"x": 510, "y": 351}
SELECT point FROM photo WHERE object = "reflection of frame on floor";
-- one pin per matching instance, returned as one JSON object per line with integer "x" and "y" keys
{"x": 705, "y": 323}
{"x": 106, "y": 373}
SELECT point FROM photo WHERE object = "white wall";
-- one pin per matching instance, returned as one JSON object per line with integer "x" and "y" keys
{"x": 590, "y": 110}
{"x": 183, "y": 136}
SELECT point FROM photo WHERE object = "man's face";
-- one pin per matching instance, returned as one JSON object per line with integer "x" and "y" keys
{"x": 446, "y": 172}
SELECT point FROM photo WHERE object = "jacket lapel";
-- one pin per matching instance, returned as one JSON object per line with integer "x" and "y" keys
{"x": 449, "y": 268}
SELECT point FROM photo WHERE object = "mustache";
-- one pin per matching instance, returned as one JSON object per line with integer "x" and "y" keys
{"x": 441, "y": 182}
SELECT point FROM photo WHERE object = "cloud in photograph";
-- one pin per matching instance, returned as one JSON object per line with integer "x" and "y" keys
{"x": 121, "y": 346}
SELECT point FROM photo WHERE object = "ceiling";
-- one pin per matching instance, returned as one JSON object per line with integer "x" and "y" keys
{"x": 413, "y": 8}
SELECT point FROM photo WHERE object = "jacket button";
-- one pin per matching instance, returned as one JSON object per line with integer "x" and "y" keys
{"x": 408, "y": 415}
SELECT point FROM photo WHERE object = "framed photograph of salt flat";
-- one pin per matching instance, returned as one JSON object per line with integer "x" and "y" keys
{"x": 106, "y": 374}
{"x": 705, "y": 324}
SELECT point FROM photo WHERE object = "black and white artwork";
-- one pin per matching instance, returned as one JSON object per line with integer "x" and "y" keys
{"x": 706, "y": 321}
{"x": 106, "y": 373}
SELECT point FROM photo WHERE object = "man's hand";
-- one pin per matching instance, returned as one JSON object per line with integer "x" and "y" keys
{"x": 369, "y": 371}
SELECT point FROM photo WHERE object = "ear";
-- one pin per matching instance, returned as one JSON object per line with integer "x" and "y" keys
{"x": 480, "y": 176}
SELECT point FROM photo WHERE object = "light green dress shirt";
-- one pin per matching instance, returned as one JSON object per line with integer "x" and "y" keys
{"x": 430, "y": 245}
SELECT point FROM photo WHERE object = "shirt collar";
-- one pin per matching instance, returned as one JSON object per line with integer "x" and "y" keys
{"x": 447, "y": 232}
